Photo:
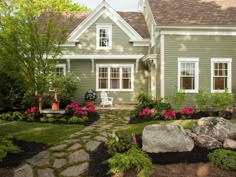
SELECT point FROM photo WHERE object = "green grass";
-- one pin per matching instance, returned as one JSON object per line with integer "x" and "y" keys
{"x": 38, "y": 132}
{"x": 138, "y": 128}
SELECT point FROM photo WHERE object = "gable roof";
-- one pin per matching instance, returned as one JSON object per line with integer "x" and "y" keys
{"x": 194, "y": 12}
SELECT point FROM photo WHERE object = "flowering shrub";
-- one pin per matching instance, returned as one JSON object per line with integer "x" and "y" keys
{"x": 32, "y": 113}
{"x": 89, "y": 107}
{"x": 79, "y": 112}
{"x": 90, "y": 95}
{"x": 146, "y": 112}
{"x": 170, "y": 114}
{"x": 70, "y": 109}
{"x": 186, "y": 112}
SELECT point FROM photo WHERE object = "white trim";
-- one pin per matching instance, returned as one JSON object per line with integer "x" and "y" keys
{"x": 229, "y": 80}
{"x": 199, "y": 33}
{"x": 153, "y": 33}
{"x": 107, "y": 27}
{"x": 140, "y": 43}
{"x": 198, "y": 27}
{"x": 191, "y": 60}
{"x": 84, "y": 57}
{"x": 162, "y": 67}
{"x": 115, "y": 65}
{"x": 104, "y": 9}
{"x": 68, "y": 64}
{"x": 62, "y": 66}
{"x": 92, "y": 61}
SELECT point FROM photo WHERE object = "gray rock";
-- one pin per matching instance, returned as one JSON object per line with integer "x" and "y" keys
{"x": 105, "y": 134}
{"x": 41, "y": 159}
{"x": 78, "y": 156}
{"x": 58, "y": 147}
{"x": 100, "y": 138}
{"x": 74, "y": 147}
{"x": 59, "y": 154}
{"x": 24, "y": 171}
{"x": 207, "y": 142}
{"x": 166, "y": 138}
{"x": 47, "y": 172}
{"x": 229, "y": 144}
{"x": 75, "y": 170}
{"x": 215, "y": 127}
{"x": 92, "y": 145}
{"x": 58, "y": 163}
{"x": 70, "y": 141}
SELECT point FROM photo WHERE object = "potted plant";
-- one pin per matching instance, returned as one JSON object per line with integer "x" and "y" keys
{"x": 90, "y": 96}
{"x": 57, "y": 84}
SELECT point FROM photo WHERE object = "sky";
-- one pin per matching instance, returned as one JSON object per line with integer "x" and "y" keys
{"x": 119, "y": 5}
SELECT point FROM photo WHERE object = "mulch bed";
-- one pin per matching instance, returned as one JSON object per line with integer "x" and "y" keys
{"x": 28, "y": 150}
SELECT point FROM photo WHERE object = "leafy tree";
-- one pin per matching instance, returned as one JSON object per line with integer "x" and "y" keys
{"x": 31, "y": 32}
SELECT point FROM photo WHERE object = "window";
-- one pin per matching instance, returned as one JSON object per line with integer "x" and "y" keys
{"x": 220, "y": 74}
{"x": 104, "y": 36}
{"x": 60, "y": 69}
{"x": 115, "y": 77}
{"x": 188, "y": 75}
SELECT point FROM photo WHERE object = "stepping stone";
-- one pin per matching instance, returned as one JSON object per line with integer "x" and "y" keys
{"x": 47, "y": 172}
{"x": 58, "y": 147}
{"x": 86, "y": 137}
{"x": 75, "y": 170}
{"x": 92, "y": 145}
{"x": 40, "y": 159}
{"x": 58, "y": 163}
{"x": 74, "y": 147}
{"x": 100, "y": 138}
{"x": 59, "y": 154}
{"x": 24, "y": 171}
{"x": 70, "y": 141}
{"x": 78, "y": 156}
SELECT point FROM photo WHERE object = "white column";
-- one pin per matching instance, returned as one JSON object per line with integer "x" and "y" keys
{"x": 68, "y": 65}
{"x": 92, "y": 62}
{"x": 162, "y": 66}
{"x": 137, "y": 65}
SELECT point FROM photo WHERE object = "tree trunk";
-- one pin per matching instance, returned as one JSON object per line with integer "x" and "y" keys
{"x": 40, "y": 103}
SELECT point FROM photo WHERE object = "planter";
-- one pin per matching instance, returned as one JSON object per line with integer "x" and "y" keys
{"x": 55, "y": 105}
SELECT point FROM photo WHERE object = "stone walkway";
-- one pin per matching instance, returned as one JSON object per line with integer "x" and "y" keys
{"x": 71, "y": 157}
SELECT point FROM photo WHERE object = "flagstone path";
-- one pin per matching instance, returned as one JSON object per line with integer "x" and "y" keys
{"x": 70, "y": 158}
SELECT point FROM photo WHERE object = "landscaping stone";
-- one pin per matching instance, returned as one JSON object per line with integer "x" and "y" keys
{"x": 78, "y": 156}
{"x": 100, "y": 138}
{"x": 215, "y": 127}
{"x": 207, "y": 142}
{"x": 58, "y": 147}
{"x": 105, "y": 134}
{"x": 59, "y": 154}
{"x": 229, "y": 144}
{"x": 58, "y": 163}
{"x": 40, "y": 159}
{"x": 166, "y": 138}
{"x": 75, "y": 170}
{"x": 24, "y": 171}
{"x": 74, "y": 147}
{"x": 47, "y": 172}
{"x": 71, "y": 141}
{"x": 92, "y": 145}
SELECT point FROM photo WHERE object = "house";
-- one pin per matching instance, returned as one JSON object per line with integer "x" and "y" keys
{"x": 167, "y": 46}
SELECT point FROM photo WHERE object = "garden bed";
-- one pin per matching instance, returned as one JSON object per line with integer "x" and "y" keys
{"x": 28, "y": 150}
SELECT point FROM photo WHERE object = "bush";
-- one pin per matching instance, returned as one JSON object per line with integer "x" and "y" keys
{"x": 90, "y": 95}
{"x": 135, "y": 159}
{"x": 6, "y": 146}
{"x": 5, "y": 116}
{"x": 32, "y": 114}
{"x": 178, "y": 99}
{"x": 223, "y": 158}
{"x": 75, "y": 120}
{"x": 18, "y": 116}
{"x": 120, "y": 142}
{"x": 201, "y": 100}
{"x": 220, "y": 101}
{"x": 12, "y": 116}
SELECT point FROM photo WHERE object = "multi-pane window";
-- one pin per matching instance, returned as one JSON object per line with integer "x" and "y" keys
{"x": 117, "y": 78}
{"x": 188, "y": 75}
{"x": 104, "y": 36}
{"x": 60, "y": 70}
{"x": 221, "y": 74}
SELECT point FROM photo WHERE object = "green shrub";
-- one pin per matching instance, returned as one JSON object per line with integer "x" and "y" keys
{"x": 6, "y": 116}
{"x": 51, "y": 120}
{"x": 120, "y": 142}
{"x": 75, "y": 120}
{"x": 201, "y": 100}
{"x": 18, "y": 116}
{"x": 220, "y": 101}
{"x": 43, "y": 120}
{"x": 135, "y": 159}
{"x": 6, "y": 146}
{"x": 223, "y": 158}
{"x": 178, "y": 99}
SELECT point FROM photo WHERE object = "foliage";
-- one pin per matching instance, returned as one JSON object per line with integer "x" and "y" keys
{"x": 32, "y": 114}
{"x": 223, "y": 158}
{"x": 186, "y": 112}
{"x": 18, "y": 116}
{"x": 169, "y": 114}
{"x": 6, "y": 116}
{"x": 30, "y": 100}
{"x": 178, "y": 99}
{"x": 70, "y": 109}
{"x": 76, "y": 110}
{"x": 12, "y": 116}
{"x": 75, "y": 119}
{"x": 201, "y": 100}
{"x": 90, "y": 95}
{"x": 134, "y": 158}
{"x": 146, "y": 113}
{"x": 6, "y": 146}
{"x": 119, "y": 142}
{"x": 220, "y": 101}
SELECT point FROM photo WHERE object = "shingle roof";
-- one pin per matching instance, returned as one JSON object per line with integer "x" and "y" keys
{"x": 194, "y": 12}
{"x": 134, "y": 19}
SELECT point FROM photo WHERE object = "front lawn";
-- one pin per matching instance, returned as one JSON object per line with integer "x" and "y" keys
{"x": 38, "y": 132}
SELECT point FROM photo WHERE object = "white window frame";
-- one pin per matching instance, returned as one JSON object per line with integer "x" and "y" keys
{"x": 109, "y": 77}
{"x": 109, "y": 29}
{"x": 192, "y": 60}
{"x": 153, "y": 34}
{"x": 62, "y": 66}
{"x": 229, "y": 80}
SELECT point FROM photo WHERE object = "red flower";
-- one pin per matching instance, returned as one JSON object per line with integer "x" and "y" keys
{"x": 170, "y": 114}
{"x": 146, "y": 112}
{"x": 186, "y": 111}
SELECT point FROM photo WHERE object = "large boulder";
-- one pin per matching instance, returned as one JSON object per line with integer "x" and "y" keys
{"x": 215, "y": 127}
{"x": 229, "y": 144}
{"x": 166, "y": 138}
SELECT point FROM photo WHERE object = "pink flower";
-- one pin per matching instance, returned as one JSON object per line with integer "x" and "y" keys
{"x": 146, "y": 112}
{"x": 89, "y": 107}
{"x": 186, "y": 111}
{"x": 170, "y": 114}
{"x": 134, "y": 140}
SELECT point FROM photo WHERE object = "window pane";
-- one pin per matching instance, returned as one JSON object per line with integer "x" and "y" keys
{"x": 59, "y": 71}
{"x": 187, "y": 83}
{"x": 103, "y": 83}
{"x": 220, "y": 83}
{"x": 115, "y": 83}
{"x": 126, "y": 84}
